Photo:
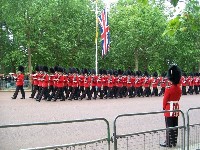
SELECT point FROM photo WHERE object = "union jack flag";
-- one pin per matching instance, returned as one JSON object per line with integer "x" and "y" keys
{"x": 105, "y": 34}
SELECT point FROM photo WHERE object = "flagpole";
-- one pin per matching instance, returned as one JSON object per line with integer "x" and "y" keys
{"x": 96, "y": 62}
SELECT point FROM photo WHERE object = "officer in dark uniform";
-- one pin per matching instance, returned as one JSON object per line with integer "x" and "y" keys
{"x": 171, "y": 98}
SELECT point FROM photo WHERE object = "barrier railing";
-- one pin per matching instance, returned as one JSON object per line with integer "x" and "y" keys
{"x": 103, "y": 143}
{"x": 137, "y": 140}
{"x": 10, "y": 85}
{"x": 147, "y": 139}
{"x": 193, "y": 130}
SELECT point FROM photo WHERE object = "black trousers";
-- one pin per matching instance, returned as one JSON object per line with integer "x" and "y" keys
{"x": 44, "y": 92}
{"x": 21, "y": 88}
{"x": 162, "y": 91}
{"x": 35, "y": 89}
{"x": 184, "y": 90}
{"x": 74, "y": 93}
{"x": 196, "y": 89}
{"x": 86, "y": 92}
{"x": 93, "y": 90}
{"x": 155, "y": 91}
{"x": 99, "y": 91}
{"x": 110, "y": 93}
{"x": 59, "y": 92}
{"x": 147, "y": 91}
{"x": 171, "y": 134}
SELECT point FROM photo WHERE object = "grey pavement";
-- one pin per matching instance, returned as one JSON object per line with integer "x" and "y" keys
{"x": 28, "y": 110}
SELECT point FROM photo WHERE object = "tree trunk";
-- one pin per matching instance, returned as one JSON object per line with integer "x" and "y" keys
{"x": 136, "y": 60}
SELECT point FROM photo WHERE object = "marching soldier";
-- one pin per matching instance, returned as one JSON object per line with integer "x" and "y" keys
{"x": 94, "y": 79}
{"x": 99, "y": 85}
{"x": 146, "y": 84}
{"x": 111, "y": 80}
{"x": 184, "y": 84}
{"x": 35, "y": 82}
{"x": 60, "y": 85}
{"x": 162, "y": 80}
{"x": 45, "y": 81}
{"x": 19, "y": 83}
{"x": 155, "y": 82}
{"x": 196, "y": 83}
{"x": 40, "y": 75}
{"x": 87, "y": 81}
{"x": 51, "y": 80}
{"x": 129, "y": 91}
{"x": 75, "y": 91}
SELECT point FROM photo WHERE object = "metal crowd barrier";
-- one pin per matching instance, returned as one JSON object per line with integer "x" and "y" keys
{"x": 10, "y": 85}
{"x": 148, "y": 139}
{"x": 103, "y": 143}
{"x": 193, "y": 131}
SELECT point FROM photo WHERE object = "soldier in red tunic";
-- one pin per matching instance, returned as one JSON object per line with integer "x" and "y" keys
{"x": 155, "y": 82}
{"x": 146, "y": 84}
{"x": 163, "y": 81}
{"x": 184, "y": 84}
{"x": 35, "y": 82}
{"x": 196, "y": 83}
{"x": 94, "y": 79}
{"x": 170, "y": 102}
{"x": 60, "y": 85}
{"x": 19, "y": 83}
{"x": 111, "y": 80}
{"x": 45, "y": 83}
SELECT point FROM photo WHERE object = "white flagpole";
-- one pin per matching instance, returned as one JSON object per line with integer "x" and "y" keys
{"x": 96, "y": 12}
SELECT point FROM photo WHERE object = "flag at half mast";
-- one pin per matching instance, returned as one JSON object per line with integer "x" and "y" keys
{"x": 105, "y": 33}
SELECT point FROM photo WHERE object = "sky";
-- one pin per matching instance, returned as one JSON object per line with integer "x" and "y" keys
{"x": 179, "y": 7}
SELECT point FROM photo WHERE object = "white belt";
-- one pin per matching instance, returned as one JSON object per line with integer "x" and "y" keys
{"x": 171, "y": 105}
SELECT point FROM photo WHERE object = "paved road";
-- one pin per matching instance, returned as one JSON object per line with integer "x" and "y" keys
{"x": 28, "y": 111}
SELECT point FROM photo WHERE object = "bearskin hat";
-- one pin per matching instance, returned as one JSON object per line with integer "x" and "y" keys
{"x": 40, "y": 68}
{"x": 155, "y": 74}
{"x": 45, "y": 68}
{"x": 174, "y": 74}
{"x": 100, "y": 71}
{"x": 70, "y": 70}
{"x": 56, "y": 68}
{"x": 60, "y": 69}
{"x": 51, "y": 70}
{"x": 74, "y": 70}
{"x": 78, "y": 71}
{"x": 104, "y": 71}
{"x": 37, "y": 68}
{"x": 85, "y": 71}
{"x": 146, "y": 73}
{"x": 137, "y": 73}
{"x": 120, "y": 72}
{"x": 21, "y": 68}
{"x": 110, "y": 72}
{"x": 93, "y": 71}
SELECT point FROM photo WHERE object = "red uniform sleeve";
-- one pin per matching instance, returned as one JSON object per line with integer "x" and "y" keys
{"x": 166, "y": 98}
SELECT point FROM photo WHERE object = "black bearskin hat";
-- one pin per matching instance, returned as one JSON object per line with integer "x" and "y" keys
{"x": 51, "y": 70}
{"x": 146, "y": 73}
{"x": 78, "y": 71}
{"x": 74, "y": 70}
{"x": 174, "y": 74}
{"x": 137, "y": 73}
{"x": 40, "y": 68}
{"x": 120, "y": 72}
{"x": 21, "y": 68}
{"x": 60, "y": 69}
{"x": 155, "y": 74}
{"x": 45, "y": 68}
{"x": 110, "y": 72}
{"x": 93, "y": 71}
{"x": 37, "y": 68}
{"x": 104, "y": 71}
{"x": 70, "y": 70}
{"x": 56, "y": 68}
{"x": 85, "y": 71}
{"x": 100, "y": 71}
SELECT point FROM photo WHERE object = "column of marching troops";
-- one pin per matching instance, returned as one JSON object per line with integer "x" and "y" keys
{"x": 75, "y": 84}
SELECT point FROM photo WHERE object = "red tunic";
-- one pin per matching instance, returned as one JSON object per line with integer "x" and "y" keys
{"x": 128, "y": 82}
{"x": 99, "y": 81}
{"x": 60, "y": 81}
{"x": 35, "y": 79}
{"x": 147, "y": 82}
{"x": 70, "y": 80}
{"x": 45, "y": 80}
{"x": 51, "y": 81}
{"x": 87, "y": 81}
{"x": 20, "y": 80}
{"x": 94, "y": 80}
{"x": 111, "y": 80}
{"x": 170, "y": 100}
{"x": 183, "y": 81}
{"x": 81, "y": 80}
{"x": 75, "y": 80}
